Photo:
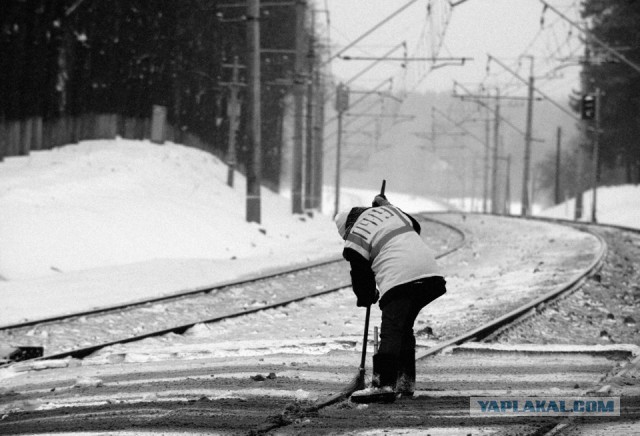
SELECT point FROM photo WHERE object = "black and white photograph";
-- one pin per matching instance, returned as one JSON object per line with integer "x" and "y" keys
{"x": 320, "y": 217}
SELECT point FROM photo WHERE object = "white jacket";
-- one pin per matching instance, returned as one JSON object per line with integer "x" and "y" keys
{"x": 385, "y": 236}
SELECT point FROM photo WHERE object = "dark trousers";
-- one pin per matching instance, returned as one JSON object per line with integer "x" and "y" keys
{"x": 400, "y": 308}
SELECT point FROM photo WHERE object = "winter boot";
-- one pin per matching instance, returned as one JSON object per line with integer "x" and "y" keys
{"x": 381, "y": 390}
{"x": 406, "y": 383}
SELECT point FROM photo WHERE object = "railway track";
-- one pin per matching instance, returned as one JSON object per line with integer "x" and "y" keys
{"x": 439, "y": 404}
{"x": 624, "y": 245}
{"x": 82, "y": 334}
{"x": 494, "y": 328}
{"x": 486, "y": 332}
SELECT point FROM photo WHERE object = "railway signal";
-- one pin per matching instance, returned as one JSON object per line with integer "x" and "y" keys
{"x": 342, "y": 98}
{"x": 588, "y": 107}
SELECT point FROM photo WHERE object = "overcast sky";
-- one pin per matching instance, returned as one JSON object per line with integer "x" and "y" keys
{"x": 505, "y": 29}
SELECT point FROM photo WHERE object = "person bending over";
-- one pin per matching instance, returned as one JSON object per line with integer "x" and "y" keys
{"x": 391, "y": 263}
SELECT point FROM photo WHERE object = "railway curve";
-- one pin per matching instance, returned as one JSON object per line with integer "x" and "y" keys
{"x": 226, "y": 396}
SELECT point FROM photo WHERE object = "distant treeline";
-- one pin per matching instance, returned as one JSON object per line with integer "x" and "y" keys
{"x": 67, "y": 58}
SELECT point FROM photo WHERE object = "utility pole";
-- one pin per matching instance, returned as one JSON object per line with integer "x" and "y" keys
{"x": 476, "y": 163}
{"x": 596, "y": 156}
{"x": 233, "y": 112}
{"x": 310, "y": 177}
{"x": 319, "y": 140}
{"x": 507, "y": 192}
{"x": 472, "y": 206}
{"x": 342, "y": 104}
{"x": 254, "y": 164}
{"x": 487, "y": 152}
{"x": 464, "y": 182}
{"x": 496, "y": 149}
{"x": 584, "y": 86}
{"x": 558, "y": 198}
{"x": 319, "y": 119}
{"x": 298, "y": 102}
{"x": 525, "y": 210}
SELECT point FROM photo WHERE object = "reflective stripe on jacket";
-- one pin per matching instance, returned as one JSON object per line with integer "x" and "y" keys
{"x": 385, "y": 237}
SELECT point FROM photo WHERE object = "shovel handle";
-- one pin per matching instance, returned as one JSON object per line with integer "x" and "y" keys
{"x": 365, "y": 337}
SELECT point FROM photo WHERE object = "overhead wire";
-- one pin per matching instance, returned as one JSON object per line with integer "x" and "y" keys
{"x": 550, "y": 45}
{"x": 442, "y": 19}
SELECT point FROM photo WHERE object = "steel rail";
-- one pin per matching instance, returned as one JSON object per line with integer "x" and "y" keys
{"x": 518, "y": 315}
{"x": 190, "y": 292}
{"x": 82, "y": 352}
{"x": 478, "y": 333}
{"x": 583, "y": 226}
{"x": 461, "y": 233}
{"x": 545, "y": 219}
{"x": 567, "y": 423}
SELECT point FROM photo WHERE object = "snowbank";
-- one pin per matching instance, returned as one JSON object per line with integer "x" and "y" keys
{"x": 618, "y": 205}
{"x": 105, "y": 203}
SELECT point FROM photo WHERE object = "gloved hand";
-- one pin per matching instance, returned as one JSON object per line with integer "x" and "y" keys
{"x": 380, "y": 200}
{"x": 369, "y": 299}
{"x": 363, "y": 283}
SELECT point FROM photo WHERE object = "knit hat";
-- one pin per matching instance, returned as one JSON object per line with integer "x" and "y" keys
{"x": 341, "y": 223}
{"x": 345, "y": 220}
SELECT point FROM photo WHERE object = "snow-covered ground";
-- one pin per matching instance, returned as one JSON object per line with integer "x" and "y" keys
{"x": 104, "y": 222}
{"x": 619, "y": 205}
{"x": 110, "y": 221}
{"x": 106, "y": 203}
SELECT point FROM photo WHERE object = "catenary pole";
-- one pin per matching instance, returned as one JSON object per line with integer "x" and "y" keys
{"x": 496, "y": 152}
{"x": 525, "y": 206}
{"x": 318, "y": 132}
{"x": 596, "y": 158}
{"x": 464, "y": 182}
{"x": 584, "y": 87}
{"x": 507, "y": 192}
{"x": 487, "y": 152}
{"x": 254, "y": 164}
{"x": 310, "y": 155}
{"x": 558, "y": 199}
{"x": 298, "y": 98}
{"x": 338, "y": 164}
{"x": 342, "y": 105}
